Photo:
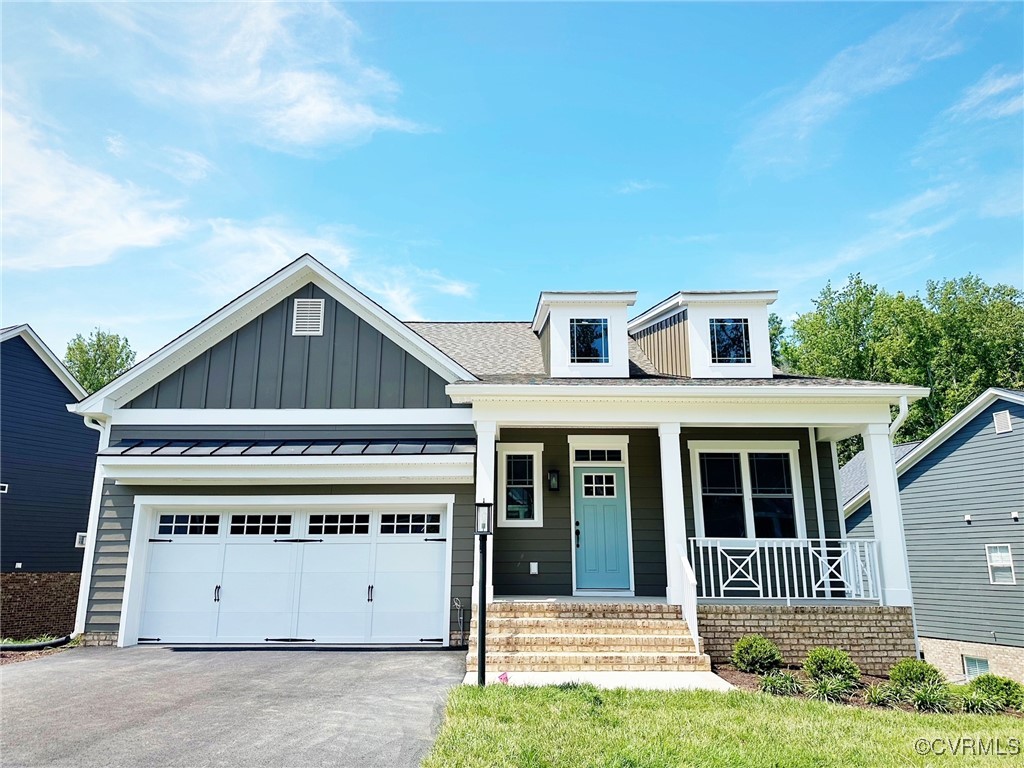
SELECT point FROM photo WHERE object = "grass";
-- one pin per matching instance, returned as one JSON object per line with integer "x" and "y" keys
{"x": 29, "y": 641}
{"x": 580, "y": 726}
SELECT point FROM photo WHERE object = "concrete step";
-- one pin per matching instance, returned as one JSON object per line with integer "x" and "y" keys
{"x": 576, "y": 643}
{"x": 577, "y": 662}
{"x": 586, "y": 626}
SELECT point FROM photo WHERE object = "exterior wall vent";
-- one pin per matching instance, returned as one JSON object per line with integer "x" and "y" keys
{"x": 1002, "y": 422}
{"x": 80, "y": 540}
{"x": 308, "y": 317}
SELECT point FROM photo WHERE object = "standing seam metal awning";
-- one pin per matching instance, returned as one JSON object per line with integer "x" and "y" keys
{"x": 200, "y": 448}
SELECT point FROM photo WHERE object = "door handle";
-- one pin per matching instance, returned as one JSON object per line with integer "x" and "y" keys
{"x": 577, "y": 537}
{"x": 216, "y": 594}
{"x": 369, "y": 594}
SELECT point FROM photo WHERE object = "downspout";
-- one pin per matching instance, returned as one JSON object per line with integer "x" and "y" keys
{"x": 893, "y": 429}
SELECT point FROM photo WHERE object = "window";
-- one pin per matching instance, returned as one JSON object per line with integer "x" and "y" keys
{"x": 519, "y": 494}
{"x": 410, "y": 522}
{"x": 973, "y": 666}
{"x": 588, "y": 341}
{"x": 308, "y": 317}
{"x": 600, "y": 455}
{"x": 1000, "y": 564}
{"x": 598, "y": 485}
{"x": 747, "y": 492}
{"x": 261, "y": 525}
{"x": 730, "y": 340}
{"x": 320, "y": 525}
{"x": 188, "y": 525}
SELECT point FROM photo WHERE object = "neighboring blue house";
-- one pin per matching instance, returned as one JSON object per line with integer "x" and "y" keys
{"x": 962, "y": 495}
{"x": 47, "y": 460}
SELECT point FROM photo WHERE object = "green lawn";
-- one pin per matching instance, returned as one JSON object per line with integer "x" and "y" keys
{"x": 582, "y": 726}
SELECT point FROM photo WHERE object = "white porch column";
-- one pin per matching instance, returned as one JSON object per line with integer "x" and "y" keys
{"x": 887, "y": 515}
{"x": 485, "y": 437}
{"x": 672, "y": 504}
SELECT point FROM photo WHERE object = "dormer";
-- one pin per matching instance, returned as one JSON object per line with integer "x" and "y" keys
{"x": 708, "y": 334}
{"x": 584, "y": 334}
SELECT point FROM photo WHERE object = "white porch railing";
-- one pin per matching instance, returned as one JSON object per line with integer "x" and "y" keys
{"x": 690, "y": 598}
{"x": 786, "y": 569}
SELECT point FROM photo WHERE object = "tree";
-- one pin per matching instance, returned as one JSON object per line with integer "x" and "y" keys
{"x": 99, "y": 359}
{"x": 776, "y": 329}
{"x": 962, "y": 337}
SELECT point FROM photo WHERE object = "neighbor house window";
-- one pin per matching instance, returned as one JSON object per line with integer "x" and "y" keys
{"x": 747, "y": 492}
{"x": 520, "y": 497}
{"x": 974, "y": 666}
{"x": 1000, "y": 564}
{"x": 730, "y": 340}
{"x": 588, "y": 340}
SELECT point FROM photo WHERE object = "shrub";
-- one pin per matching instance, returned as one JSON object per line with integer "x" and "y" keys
{"x": 757, "y": 654}
{"x": 883, "y": 695}
{"x": 830, "y": 688}
{"x": 932, "y": 697}
{"x": 1008, "y": 693}
{"x": 831, "y": 662}
{"x": 979, "y": 702}
{"x": 911, "y": 673}
{"x": 780, "y": 684}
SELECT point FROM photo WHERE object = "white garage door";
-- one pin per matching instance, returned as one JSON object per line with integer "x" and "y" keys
{"x": 325, "y": 576}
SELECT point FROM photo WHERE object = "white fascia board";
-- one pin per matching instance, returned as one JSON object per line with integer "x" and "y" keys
{"x": 50, "y": 360}
{"x": 682, "y": 299}
{"x": 291, "y": 416}
{"x": 550, "y": 299}
{"x": 283, "y": 470}
{"x": 471, "y": 393}
{"x": 938, "y": 437}
{"x": 250, "y": 305}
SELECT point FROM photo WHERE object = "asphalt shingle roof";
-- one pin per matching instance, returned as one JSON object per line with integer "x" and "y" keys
{"x": 853, "y": 477}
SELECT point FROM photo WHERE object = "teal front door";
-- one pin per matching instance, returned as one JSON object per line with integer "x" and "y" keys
{"x": 600, "y": 528}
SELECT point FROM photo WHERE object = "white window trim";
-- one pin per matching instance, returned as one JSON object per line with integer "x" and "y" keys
{"x": 536, "y": 450}
{"x": 789, "y": 447}
{"x": 988, "y": 560}
{"x": 964, "y": 658}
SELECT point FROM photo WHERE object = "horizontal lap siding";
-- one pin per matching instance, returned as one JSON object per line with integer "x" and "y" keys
{"x": 829, "y": 492}
{"x": 118, "y": 508}
{"x": 551, "y": 545}
{"x": 262, "y": 365}
{"x": 48, "y": 458}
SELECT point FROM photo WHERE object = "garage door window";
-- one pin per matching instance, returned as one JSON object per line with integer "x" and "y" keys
{"x": 412, "y": 522}
{"x": 189, "y": 525}
{"x": 260, "y": 525}
{"x": 338, "y": 524}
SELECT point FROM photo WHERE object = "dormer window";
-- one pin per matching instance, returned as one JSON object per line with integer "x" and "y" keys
{"x": 588, "y": 340}
{"x": 730, "y": 340}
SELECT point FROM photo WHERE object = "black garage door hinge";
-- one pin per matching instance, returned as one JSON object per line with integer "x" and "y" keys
{"x": 294, "y": 541}
{"x": 167, "y": 540}
{"x": 289, "y": 640}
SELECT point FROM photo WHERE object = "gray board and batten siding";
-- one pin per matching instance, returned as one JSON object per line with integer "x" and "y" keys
{"x": 550, "y": 546}
{"x": 973, "y": 472}
{"x": 262, "y": 365}
{"x": 665, "y": 343}
{"x": 117, "y": 510}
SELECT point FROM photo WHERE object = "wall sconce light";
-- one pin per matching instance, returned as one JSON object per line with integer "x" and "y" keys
{"x": 553, "y": 479}
{"x": 967, "y": 519}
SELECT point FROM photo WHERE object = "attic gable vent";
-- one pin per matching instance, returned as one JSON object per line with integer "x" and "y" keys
{"x": 308, "y": 318}
{"x": 1002, "y": 421}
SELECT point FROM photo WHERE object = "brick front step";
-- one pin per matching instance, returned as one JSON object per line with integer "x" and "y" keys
{"x": 580, "y": 662}
{"x": 499, "y": 642}
{"x": 584, "y": 610}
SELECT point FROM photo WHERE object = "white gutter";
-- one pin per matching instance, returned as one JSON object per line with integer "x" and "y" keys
{"x": 900, "y": 418}
{"x": 466, "y": 393}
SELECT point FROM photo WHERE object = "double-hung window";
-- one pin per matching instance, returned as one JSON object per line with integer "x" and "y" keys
{"x": 730, "y": 340}
{"x": 520, "y": 492}
{"x": 747, "y": 491}
{"x": 1000, "y": 564}
{"x": 588, "y": 340}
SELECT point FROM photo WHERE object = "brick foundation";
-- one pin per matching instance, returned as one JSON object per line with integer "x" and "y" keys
{"x": 947, "y": 655}
{"x": 34, "y": 604}
{"x": 876, "y": 637}
{"x": 99, "y": 638}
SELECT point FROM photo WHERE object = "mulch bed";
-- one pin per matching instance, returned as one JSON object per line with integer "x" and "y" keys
{"x": 747, "y": 681}
{"x": 13, "y": 657}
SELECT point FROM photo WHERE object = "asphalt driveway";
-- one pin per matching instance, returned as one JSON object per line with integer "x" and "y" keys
{"x": 161, "y": 707}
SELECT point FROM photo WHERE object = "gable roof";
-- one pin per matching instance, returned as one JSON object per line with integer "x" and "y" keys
{"x": 249, "y": 305}
{"x": 854, "y": 501}
{"x": 854, "y": 474}
{"x": 44, "y": 353}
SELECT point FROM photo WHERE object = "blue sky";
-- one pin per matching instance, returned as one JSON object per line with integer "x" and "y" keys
{"x": 453, "y": 160}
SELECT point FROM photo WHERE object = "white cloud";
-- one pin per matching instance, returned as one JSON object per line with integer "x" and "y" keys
{"x": 779, "y": 140}
{"x": 282, "y": 73}
{"x": 73, "y": 48}
{"x": 996, "y": 95}
{"x": 902, "y": 212}
{"x": 633, "y": 186}
{"x": 59, "y": 213}
{"x": 116, "y": 145}
{"x": 185, "y": 166}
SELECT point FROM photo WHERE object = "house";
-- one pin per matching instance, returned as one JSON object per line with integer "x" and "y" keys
{"x": 47, "y": 462}
{"x": 303, "y": 467}
{"x": 962, "y": 494}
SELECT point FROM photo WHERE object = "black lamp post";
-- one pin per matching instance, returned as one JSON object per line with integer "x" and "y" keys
{"x": 484, "y": 528}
